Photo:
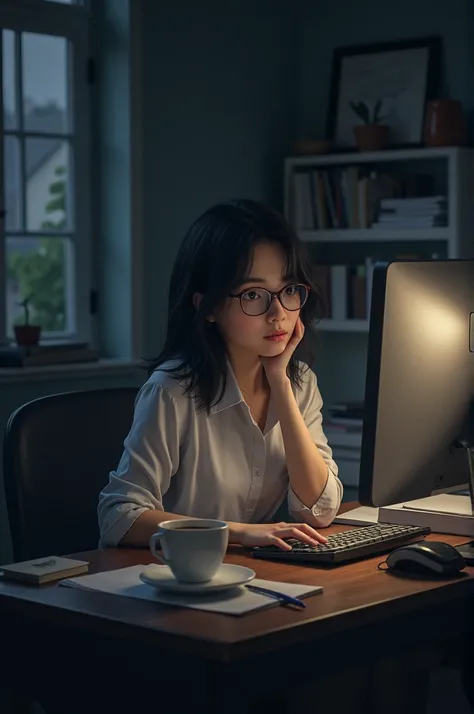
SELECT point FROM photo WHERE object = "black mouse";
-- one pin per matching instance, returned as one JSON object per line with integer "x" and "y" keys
{"x": 427, "y": 557}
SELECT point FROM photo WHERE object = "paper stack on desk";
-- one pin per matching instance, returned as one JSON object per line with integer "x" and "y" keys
{"x": 239, "y": 601}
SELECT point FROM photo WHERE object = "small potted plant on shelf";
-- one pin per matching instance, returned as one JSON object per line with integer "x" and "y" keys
{"x": 371, "y": 135}
{"x": 27, "y": 335}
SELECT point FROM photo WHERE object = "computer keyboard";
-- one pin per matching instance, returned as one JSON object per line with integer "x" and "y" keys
{"x": 359, "y": 542}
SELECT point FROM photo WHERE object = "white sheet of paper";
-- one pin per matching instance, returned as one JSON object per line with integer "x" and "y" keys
{"x": 238, "y": 601}
{"x": 363, "y": 515}
{"x": 443, "y": 503}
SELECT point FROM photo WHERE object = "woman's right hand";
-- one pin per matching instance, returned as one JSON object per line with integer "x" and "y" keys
{"x": 252, "y": 534}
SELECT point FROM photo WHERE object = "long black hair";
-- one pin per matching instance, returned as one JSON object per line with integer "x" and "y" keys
{"x": 213, "y": 260}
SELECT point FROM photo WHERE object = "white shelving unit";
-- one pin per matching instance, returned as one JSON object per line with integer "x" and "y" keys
{"x": 372, "y": 234}
{"x": 458, "y": 235}
{"x": 454, "y": 169}
{"x": 343, "y": 325}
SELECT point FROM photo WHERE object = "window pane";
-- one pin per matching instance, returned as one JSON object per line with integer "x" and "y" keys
{"x": 10, "y": 110}
{"x": 46, "y": 184}
{"x": 39, "y": 267}
{"x": 12, "y": 179}
{"x": 44, "y": 74}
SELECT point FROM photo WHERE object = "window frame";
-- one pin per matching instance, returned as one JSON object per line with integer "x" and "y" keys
{"x": 73, "y": 23}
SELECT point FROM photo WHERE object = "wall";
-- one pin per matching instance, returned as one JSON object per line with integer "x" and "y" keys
{"x": 111, "y": 138}
{"x": 219, "y": 111}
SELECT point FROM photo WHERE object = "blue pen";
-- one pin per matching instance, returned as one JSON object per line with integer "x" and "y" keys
{"x": 277, "y": 595}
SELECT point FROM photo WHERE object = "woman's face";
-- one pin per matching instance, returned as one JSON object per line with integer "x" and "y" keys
{"x": 249, "y": 335}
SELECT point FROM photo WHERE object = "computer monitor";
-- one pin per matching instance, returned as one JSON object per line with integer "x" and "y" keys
{"x": 419, "y": 391}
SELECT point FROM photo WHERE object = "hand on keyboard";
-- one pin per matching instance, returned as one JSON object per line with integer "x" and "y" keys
{"x": 360, "y": 542}
{"x": 265, "y": 534}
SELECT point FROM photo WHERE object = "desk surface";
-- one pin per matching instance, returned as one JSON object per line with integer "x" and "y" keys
{"x": 354, "y": 595}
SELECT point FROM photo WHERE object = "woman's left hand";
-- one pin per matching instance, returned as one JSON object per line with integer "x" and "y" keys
{"x": 275, "y": 367}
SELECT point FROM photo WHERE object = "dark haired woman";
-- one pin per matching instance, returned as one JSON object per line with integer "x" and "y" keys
{"x": 229, "y": 422}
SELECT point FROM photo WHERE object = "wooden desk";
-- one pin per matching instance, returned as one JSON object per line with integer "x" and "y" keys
{"x": 74, "y": 648}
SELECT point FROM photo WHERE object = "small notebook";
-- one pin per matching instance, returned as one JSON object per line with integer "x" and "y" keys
{"x": 238, "y": 601}
{"x": 44, "y": 570}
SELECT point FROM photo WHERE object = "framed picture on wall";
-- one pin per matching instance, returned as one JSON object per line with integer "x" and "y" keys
{"x": 394, "y": 79}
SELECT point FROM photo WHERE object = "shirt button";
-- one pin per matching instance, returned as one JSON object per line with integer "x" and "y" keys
{"x": 258, "y": 472}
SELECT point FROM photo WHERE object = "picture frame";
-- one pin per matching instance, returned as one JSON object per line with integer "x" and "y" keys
{"x": 404, "y": 75}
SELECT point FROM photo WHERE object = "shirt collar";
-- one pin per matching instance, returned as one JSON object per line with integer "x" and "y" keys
{"x": 232, "y": 394}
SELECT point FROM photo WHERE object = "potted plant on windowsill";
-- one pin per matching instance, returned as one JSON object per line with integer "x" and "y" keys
{"x": 371, "y": 135}
{"x": 27, "y": 335}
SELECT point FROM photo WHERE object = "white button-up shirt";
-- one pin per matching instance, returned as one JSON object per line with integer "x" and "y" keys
{"x": 180, "y": 459}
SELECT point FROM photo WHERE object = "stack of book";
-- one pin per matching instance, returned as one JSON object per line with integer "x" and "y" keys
{"x": 343, "y": 428}
{"x": 428, "y": 212}
{"x": 345, "y": 419}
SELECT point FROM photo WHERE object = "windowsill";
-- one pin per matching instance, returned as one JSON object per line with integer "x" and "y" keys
{"x": 78, "y": 370}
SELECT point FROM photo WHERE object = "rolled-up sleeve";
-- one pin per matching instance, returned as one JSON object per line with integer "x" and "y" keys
{"x": 149, "y": 460}
{"x": 321, "y": 513}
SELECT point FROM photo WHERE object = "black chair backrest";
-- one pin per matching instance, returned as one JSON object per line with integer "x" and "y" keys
{"x": 57, "y": 455}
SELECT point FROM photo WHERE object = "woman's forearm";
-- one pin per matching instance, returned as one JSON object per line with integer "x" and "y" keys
{"x": 307, "y": 470}
{"x": 147, "y": 523}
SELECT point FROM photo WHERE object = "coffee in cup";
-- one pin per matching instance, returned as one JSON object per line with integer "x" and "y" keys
{"x": 193, "y": 548}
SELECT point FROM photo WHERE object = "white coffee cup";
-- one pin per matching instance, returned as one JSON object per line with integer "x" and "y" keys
{"x": 193, "y": 548}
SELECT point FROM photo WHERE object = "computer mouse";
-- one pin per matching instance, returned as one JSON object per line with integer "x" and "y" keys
{"x": 427, "y": 557}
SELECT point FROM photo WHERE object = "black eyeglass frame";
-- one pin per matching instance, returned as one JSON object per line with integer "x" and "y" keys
{"x": 272, "y": 297}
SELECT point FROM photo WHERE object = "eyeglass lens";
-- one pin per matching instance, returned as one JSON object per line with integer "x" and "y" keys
{"x": 258, "y": 300}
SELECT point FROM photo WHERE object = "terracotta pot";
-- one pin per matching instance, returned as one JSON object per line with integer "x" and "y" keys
{"x": 445, "y": 123}
{"x": 27, "y": 335}
{"x": 371, "y": 137}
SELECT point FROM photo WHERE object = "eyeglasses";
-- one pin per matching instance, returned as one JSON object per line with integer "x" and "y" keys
{"x": 257, "y": 301}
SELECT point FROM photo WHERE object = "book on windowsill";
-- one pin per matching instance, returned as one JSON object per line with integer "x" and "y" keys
{"x": 44, "y": 570}
{"x": 43, "y": 355}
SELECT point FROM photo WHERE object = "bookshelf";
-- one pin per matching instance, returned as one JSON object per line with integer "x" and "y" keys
{"x": 357, "y": 229}
{"x": 451, "y": 172}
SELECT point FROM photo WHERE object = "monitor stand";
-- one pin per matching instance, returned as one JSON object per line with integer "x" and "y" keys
{"x": 467, "y": 550}
{"x": 469, "y": 450}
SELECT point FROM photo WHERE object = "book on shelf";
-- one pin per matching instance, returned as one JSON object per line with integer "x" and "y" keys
{"x": 338, "y": 285}
{"x": 357, "y": 308}
{"x": 322, "y": 276}
{"x": 346, "y": 414}
{"x": 343, "y": 290}
{"x": 344, "y": 437}
{"x": 425, "y": 212}
{"x": 354, "y": 197}
{"x": 348, "y": 422}
{"x": 425, "y": 206}
{"x": 348, "y": 407}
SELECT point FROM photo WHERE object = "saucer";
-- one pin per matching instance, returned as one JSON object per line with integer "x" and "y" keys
{"x": 228, "y": 576}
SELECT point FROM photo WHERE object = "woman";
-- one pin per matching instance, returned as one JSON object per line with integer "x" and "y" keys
{"x": 229, "y": 423}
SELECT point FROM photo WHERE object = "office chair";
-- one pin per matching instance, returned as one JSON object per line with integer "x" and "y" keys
{"x": 57, "y": 455}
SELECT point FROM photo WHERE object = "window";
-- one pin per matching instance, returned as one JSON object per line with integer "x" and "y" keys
{"x": 45, "y": 231}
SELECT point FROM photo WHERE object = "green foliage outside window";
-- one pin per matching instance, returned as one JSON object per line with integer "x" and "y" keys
{"x": 40, "y": 275}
